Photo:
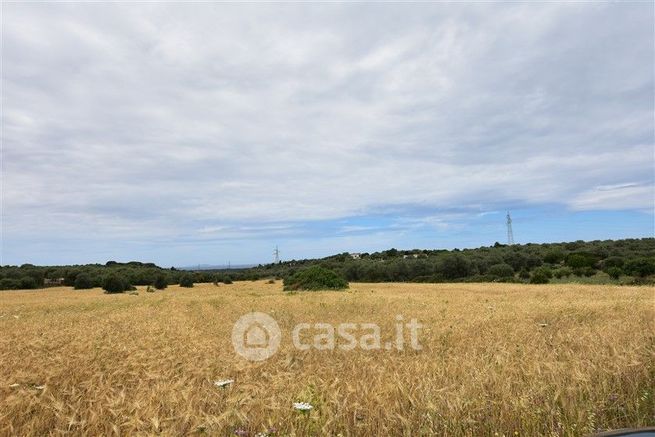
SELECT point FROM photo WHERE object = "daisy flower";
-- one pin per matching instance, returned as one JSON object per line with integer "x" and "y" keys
{"x": 223, "y": 382}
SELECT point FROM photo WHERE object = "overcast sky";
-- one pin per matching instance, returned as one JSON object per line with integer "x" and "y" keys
{"x": 186, "y": 134}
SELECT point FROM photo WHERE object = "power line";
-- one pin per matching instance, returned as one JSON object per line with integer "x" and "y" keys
{"x": 276, "y": 253}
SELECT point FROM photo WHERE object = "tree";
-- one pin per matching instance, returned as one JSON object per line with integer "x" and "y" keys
{"x": 27, "y": 283}
{"x": 613, "y": 261}
{"x": 554, "y": 256}
{"x": 161, "y": 282}
{"x": 501, "y": 270}
{"x": 186, "y": 280}
{"x": 455, "y": 266}
{"x": 315, "y": 278}
{"x": 581, "y": 260}
{"x": 641, "y": 267}
{"x": 115, "y": 284}
{"x": 516, "y": 260}
{"x": 83, "y": 282}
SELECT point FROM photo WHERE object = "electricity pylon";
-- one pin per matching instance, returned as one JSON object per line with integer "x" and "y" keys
{"x": 510, "y": 234}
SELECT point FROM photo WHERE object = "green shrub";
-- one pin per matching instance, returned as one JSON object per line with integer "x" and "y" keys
{"x": 186, "y": 280}
{"x": 27, "y": 283}
{"x": 554, "y": 256}
{"x": 115, "y": 284}
{"x": 455, "y": 266}
{"x": 613, "y": 261}
{"x": 539, "y": 277}
{"x": 642, "y": 281}
{"x": 83, "y": 282}
{"x": 563, "y": 272}
{"x": 9, "y": 284}
{"x": 501, "y": 270}
{"x": 614, "y": 272}
{"x": 315, "y": 278}
{"x": 581, "y": 260}
{"x": 588, "y": 272}
{"x": 641, "y": 267}
{"x": 545, "y": 271}
{"x": 161, "y": 282}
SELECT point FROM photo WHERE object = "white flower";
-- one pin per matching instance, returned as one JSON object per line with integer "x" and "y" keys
{"x": 223, "y": 382}
{"x": 302, "y": 406}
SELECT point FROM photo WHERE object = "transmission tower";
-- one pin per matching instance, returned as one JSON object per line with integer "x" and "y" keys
{"x": 510, "y": 234}
{"x": 276, "y": 253}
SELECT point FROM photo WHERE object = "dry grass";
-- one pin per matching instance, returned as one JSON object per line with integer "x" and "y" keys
{"x": 139, "y": 365}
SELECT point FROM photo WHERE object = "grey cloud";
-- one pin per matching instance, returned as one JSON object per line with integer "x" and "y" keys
{"x": 161, "y": 119}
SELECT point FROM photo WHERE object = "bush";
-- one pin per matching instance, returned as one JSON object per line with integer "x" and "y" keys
{"x": 83, "y": 282}
{"x": 563, "y": 272}
{"x": 315, "y": 278}
{"x": 501, "y": 270}
{"x": 186, "y": 280}
{"x": 613, "y": 261}
{"x": 27, "y": 283}
{"x": 227, "y": 280}
{"x": 161, "y": 282}
{"x": 640, "y": 267}
{"x": 524, "y": 274}
{"x": 545, "y": 271}
{"x": 539, "y": 277}
{"x": 115, "y": 284}
{"x": 581, "y": 260}
{"x": 455, "y": 266}
{"x": 588, "y": 272}
{"x": 554, "y": 256}
{"x": 9, "y": 284}
{"x": 614, "y": 272}
{"x": 642, "y": 281}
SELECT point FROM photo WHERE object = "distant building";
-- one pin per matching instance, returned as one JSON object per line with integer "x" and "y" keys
{"x": 413, "y": 255}
{"x": 53, "y": 282}
{"x": 355, "y": 255}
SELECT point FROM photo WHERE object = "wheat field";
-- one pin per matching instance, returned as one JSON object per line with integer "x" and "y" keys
{"x": 496, "y": 359}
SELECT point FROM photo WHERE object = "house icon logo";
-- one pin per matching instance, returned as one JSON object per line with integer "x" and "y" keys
{"x": 256, "y": 336}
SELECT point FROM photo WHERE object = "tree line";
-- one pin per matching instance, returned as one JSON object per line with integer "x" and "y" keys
{"x": 113, "y": 277}
{"x": 628, "y": 261}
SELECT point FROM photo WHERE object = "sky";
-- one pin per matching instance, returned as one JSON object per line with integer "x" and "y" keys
{"x": 210, "y": 133}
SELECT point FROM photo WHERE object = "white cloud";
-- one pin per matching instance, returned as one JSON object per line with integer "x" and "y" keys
{"x": 174, "y": 120}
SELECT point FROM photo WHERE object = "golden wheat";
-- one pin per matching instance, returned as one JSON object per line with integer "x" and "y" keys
{"x": 549, "y": 360}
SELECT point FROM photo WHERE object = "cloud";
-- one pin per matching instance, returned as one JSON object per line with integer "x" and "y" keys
{"x": 169, "y": 121}
{"x": 621, "y": 196}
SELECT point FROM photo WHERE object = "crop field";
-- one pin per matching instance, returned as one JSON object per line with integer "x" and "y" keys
{"x": 551, "y": 360}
